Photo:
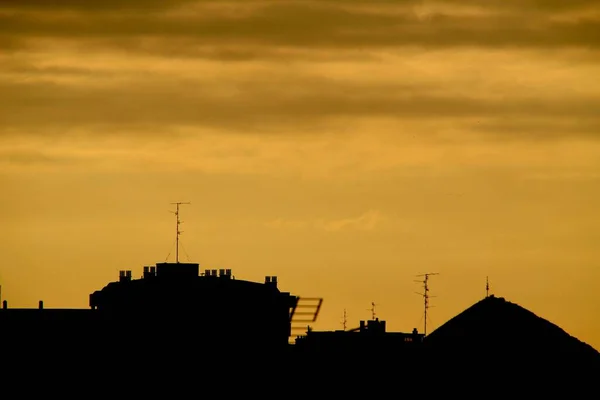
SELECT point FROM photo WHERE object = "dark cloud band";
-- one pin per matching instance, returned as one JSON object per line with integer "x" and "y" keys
{"x": 329, "y": 24}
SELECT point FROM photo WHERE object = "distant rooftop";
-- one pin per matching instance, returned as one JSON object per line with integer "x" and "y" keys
{"x": 496, "y": 327}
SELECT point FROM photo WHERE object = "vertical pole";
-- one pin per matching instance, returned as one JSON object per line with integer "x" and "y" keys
{"x": 426, "y": 297}
{"x": 177, "y": 231}
{"x": 177, "y": 234}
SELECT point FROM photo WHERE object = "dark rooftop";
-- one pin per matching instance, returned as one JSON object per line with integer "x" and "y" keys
{"x": 497, "y": 330}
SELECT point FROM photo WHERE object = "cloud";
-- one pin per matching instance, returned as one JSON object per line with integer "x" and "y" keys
{"x": 367, "y": 221}
{"x": 540, "y": 125}
{"x": 184, "y": 27}
{"x": 273, "y": 104}
{"x": 298, "y": 67}
{"x": 31, "y": 157}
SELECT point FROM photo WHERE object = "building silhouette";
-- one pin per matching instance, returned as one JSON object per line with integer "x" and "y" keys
{"x": 369, "y": 339}
{"x": 176, "y": 314}
{"x": 213, "y": 306}
{"x": 171, "y": 306}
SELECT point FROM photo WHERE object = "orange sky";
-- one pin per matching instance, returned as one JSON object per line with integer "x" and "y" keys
{"x": 345, "y": 146}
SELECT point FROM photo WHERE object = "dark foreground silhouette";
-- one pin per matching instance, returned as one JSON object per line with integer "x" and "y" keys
{"x": 175, "y": 322}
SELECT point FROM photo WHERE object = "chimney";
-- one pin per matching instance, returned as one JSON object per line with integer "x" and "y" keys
{"x": 124, "y": 276}
{"x": 271, "y": 280}
{"x": 225, "y": 273}
{"x": 41, "y": 305}
{"x": 149, "y": 272}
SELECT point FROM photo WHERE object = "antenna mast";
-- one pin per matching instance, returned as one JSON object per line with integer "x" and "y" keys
{"x": 487, "y": 287}
{"x": 373, "y": 310}
{"x": 344, "y": 320}
{"x": 177, "y": 231}
{"x": 426, "y": 297}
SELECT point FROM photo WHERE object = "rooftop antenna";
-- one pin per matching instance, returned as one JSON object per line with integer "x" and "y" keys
{"x": 344, "y": 320}
{"x": 487, "y": 287}
{"x": 373, "y": 310}
{"x": 426, "y": 297}
{"x": 178, "y": 232}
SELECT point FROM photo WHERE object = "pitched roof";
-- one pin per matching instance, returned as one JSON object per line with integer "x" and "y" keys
{"x": 497, "y": 328}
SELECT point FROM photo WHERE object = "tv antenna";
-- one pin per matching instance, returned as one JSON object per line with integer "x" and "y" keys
{"x": 344, "y": 320}
{"x": 177, "y": 231}
{"x": 426, "y": 297}
{"x": 372, "y": 309}
{"x": 487, "y": 287}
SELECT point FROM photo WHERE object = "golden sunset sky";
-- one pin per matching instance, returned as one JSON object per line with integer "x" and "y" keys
{"x": 344, "y": 146}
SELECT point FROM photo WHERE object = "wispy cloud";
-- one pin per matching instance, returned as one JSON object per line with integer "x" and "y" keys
{"x": 367, "y": 221}
{"x": 255, "y": 100}
{"x": 34, "y": 158}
